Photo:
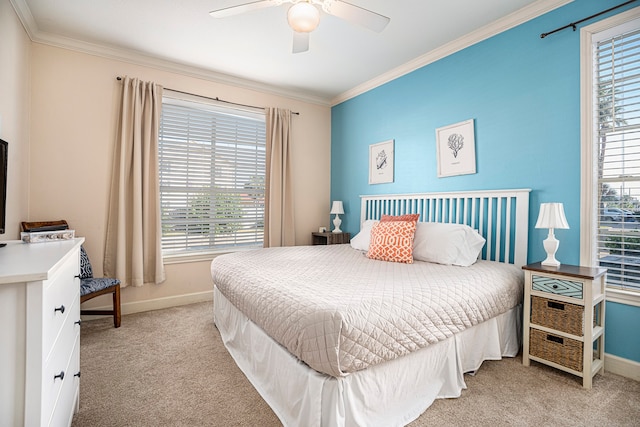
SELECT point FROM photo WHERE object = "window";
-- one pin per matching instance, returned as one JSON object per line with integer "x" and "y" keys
{"x": 212, "y": 177}
{"x": 611, "y": 154}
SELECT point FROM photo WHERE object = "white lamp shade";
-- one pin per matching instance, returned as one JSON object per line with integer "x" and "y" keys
{"x": 303, "y": 17}
{"x": 552, "y": 216}
{"x": 337, "y": 207}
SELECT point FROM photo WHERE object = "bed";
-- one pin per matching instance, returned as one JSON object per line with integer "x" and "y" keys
{"x": 330, "y": 337}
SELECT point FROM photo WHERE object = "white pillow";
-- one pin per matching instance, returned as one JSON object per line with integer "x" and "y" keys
{"x": 450, "y": 244}
{"x": 362, "y": 240}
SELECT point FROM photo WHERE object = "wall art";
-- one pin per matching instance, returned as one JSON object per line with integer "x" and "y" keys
{"x": 381, "y": 159}
{"x": 456, "y": 149}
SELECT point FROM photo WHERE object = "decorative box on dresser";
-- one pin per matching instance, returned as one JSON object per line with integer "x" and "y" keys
{"x": 39, "y": 332}
{"x": 564, "y": 318}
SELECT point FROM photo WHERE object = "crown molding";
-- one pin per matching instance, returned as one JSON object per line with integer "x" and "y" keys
{"x": 25, "y": 16}
{"x": 139, "y": 58}
{"x": 142, "y": 59}
{"x": 525, "y": 14}
{"x": 512, "y": 20}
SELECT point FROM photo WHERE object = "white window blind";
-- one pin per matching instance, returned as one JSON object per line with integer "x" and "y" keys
{"x": 617, "y": 140}
{"x": 212, "y": 177}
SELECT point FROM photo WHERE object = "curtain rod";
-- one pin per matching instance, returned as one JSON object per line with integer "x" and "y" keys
{"x": 573, "y": 24}
{"x": 215, "y": 99}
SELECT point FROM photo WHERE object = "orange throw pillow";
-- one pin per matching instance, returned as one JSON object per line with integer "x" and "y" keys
{"x": 392, "y": 241}
{"x": 406, "y": 217}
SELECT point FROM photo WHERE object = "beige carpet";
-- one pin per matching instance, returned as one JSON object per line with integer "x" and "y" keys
{"x": 170, "y": 368}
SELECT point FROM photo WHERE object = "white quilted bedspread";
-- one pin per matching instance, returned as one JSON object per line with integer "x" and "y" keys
{"x": 340, "y": 312}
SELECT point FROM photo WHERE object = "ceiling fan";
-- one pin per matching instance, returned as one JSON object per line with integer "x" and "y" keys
{"x": 304, "y": 16}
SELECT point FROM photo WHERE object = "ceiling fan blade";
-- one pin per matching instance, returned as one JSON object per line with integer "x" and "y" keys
{"x": 358, "y": 15}
{"x": 300, "y": 42}
{"x": 242, "y": 8}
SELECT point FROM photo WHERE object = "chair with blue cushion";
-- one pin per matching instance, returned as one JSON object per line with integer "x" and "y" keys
{"x": 91, "y": 287}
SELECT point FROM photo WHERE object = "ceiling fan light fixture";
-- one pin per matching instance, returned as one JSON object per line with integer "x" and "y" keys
{"x": 303, "y": 17}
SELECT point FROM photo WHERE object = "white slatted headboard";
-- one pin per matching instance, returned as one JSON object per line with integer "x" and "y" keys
{"x": 500, "y": 216}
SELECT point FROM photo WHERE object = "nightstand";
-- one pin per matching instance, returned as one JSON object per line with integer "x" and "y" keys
{"x": 330, "y": 238}
{"x": 564, "y": 318}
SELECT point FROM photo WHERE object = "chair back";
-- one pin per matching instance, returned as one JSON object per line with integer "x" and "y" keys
{"x": 86, "y": 271}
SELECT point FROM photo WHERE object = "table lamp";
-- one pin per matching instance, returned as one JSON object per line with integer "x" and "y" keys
{"x": 337, "y": 209}
{"x": 551, "y": 216}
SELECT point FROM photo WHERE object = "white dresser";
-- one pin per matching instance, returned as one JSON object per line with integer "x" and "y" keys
{"x": 39, "y": 333}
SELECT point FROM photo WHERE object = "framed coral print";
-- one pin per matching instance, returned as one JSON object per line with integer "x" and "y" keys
{"x": 381, "y": 156}
{"x": 456, "y": 149}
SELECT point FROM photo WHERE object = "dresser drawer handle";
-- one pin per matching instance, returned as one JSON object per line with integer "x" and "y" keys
{"x": 60, "y": 375}
{"x": 556, "y": 305}
{"x": 60, "y": 309}
{"x": 77, "y": 276}
{"x": 553, "y": 338}
{"x": 78, "y": 322}
{"x": 77, "y": 375}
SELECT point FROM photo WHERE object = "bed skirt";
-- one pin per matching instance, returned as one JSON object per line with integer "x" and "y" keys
{"x": 393, "y": 393}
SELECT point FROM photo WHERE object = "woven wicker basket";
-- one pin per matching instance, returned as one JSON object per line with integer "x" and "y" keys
{"x": 560, "y": 316}
{"x": 561, "y": 350}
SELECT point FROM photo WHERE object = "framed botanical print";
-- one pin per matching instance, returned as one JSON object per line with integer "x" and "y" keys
{"x": 456, "y": 149}
{"x": 381, "y": 159}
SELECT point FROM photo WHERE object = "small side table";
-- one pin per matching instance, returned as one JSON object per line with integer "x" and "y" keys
{"x": 564, "y": 318}
{"x": 330, "y": 238}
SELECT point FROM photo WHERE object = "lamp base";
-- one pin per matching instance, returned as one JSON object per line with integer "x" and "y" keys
{"x": 336, "y": 223}
{"x": 551, "y": 246}
{"x": 551, "y": 262}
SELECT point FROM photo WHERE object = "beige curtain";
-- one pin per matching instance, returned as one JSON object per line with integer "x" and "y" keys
{"x": 279, "y": 227}
{"x": 133, "y": 244}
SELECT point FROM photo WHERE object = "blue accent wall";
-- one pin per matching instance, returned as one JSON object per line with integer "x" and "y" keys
{"x": 523, "y": 93}
{"x": 621, "y": 335}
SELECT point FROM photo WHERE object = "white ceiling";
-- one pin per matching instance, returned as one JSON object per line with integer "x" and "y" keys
{"x": 256, "y": 46}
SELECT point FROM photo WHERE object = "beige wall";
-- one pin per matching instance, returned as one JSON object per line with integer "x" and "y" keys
{"x": 14, "y": 114}
{"x": 14, "y": 128}
{"x": 73, "y": 121}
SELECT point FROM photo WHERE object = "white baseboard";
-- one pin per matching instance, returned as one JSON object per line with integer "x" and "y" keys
{"x": 158, "y": 303}
{"x": 623, "y": 367}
